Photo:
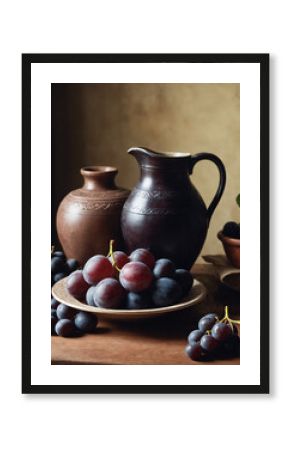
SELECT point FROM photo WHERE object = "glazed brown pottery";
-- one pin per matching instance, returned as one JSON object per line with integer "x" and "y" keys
{"x": 231, "y": 248}
{"x": 89, "y": 217}
{"x": 165, "y": 213}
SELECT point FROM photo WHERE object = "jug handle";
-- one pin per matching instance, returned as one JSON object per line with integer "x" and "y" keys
{"x": 222, "y": 182}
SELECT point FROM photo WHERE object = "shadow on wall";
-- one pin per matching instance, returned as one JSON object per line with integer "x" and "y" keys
{"x": 67, "y": 137}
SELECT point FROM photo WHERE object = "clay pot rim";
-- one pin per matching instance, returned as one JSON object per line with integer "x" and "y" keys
{"x": 93, "y": 170}
{"x": 227, "y": 240}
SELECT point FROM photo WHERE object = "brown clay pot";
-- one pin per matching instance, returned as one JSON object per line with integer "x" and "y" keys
{"x": 89, "y": 217}
{"x": 165, "y": 213}
{"x": 232, "y": 249}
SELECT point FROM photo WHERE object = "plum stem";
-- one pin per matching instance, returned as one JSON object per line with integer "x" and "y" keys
{"x": 111, "y": 254}
{"x": 111, "y": 247}
{"x": 227, "y": 318}
{"x": 235, "y": 321}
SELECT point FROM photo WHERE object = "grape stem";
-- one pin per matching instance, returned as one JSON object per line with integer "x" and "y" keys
{"x": 52, "y": 249}
{"x": 111, "y": 253}
{"x": 227, "y": 318}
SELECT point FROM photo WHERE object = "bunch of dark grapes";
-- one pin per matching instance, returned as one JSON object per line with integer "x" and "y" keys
{"x": 66, "y": 321}
{"x": 61, "y": 267}
{"x": 134, "y": 281}
{"x": 231, "y": 230}
{"x": 69, "y": 322}
{"x": 214, "y": 339}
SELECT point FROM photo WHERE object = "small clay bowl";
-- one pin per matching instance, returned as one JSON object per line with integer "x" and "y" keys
{"x": 231, "y": 248}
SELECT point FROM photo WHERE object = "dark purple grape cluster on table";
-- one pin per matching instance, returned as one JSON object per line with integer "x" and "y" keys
{"x": 61, "y": 267}
{"x": 135, "y": 281}
{"x": 66, "y": 321}
{"x": 69, "y": 322}
{"x": 213, "y": 339}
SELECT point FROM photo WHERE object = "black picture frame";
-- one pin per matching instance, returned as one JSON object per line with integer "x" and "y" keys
{"x": 263, "y": 61}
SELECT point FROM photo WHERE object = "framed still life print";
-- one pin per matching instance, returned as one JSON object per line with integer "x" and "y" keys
{"x": 145, "y": 184}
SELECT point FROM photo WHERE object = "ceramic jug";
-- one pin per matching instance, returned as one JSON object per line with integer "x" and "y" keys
{"x": 164, "y": 212}
{"x": 89, "y": 217}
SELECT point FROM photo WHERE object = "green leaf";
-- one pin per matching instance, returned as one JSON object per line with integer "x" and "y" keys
{"x": 238, "y": 200}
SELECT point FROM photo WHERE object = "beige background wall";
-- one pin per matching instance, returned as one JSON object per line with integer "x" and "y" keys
{"x": 94, "y": 124}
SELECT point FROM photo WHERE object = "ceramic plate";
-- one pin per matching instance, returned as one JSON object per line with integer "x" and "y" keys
{"x": 196, "y": 295}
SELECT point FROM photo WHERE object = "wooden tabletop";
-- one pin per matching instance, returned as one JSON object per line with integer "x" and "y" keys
{"x": 155, "y": 341}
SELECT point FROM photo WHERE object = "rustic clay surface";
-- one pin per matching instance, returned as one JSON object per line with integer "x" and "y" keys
{"x": 164, "y": 212}
{"x": 89, "y": 217}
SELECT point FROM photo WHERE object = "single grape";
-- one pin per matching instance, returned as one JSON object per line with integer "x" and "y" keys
{"x": 65, "y": 328}
{"x": 59, "y": 254}
{"x": 97, "y": 268}
{"x": 85, "y": 322}
{"x": 109, "y": 294}
{"x": 221, "y": 331}
{"x": 166, "y": 292}
{"x": 54, "y": 303}
{"x": 120, "y": 259}
{"x": 76, "y": 285}
{"x": 72, "y": 265}
{"x": 185, "y": 279}
{"x": 232, "y": 230}
{"x": 138, "y": 300}
{"x": 164, "y": 268}
{"x": 235, "y": 329}
{"x": 65, "y": 312}
{"x": 143, "y": 255}
{"x": 232, "y": 346}
{"x": 194, "y": 351}
{"x": 53, "y": 323}
{"x": 57, "y": 265}
{"x": 206, "y": 323}
{"x": 211, "y": 315}
{"x": 194, "y": 336}
{"x": 136, "y": 277}
{"x": 59, "y": 276}
{"x": 208, "y": 343}
{"x": 90, "y": 296}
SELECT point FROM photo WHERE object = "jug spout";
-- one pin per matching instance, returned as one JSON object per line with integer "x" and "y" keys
{"x": 145, "y": 155}
{"x": 142, "y": 151}
{"x": 146, "y": 151}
